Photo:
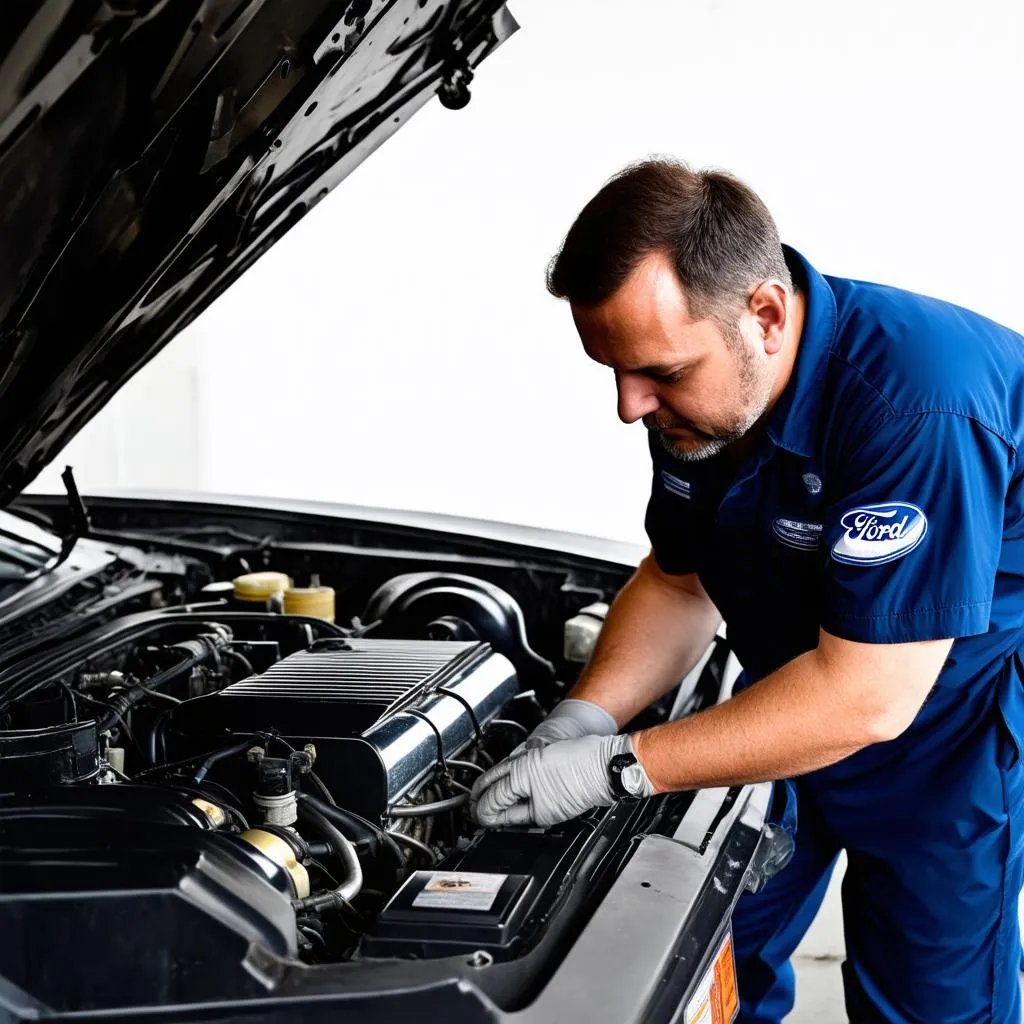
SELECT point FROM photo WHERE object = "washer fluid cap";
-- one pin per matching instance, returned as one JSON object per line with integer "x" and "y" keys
{"x": 258, "y": 587}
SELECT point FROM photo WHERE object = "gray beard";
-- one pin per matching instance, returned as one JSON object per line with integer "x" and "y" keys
{"x": 707, "y": 450}
{"x": 756, "y": 393}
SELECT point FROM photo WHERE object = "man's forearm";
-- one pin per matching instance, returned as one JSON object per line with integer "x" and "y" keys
{"x": 656, "y": 631}
{"x": 812, "y": 712}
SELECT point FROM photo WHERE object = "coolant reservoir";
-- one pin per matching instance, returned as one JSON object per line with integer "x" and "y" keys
{"x": 255, "y": 589}
{"x": 314, "y": 600}
{"x": 581, "y": 632}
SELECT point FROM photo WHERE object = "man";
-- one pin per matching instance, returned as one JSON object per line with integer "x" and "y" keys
{"x": 838, "y": 474}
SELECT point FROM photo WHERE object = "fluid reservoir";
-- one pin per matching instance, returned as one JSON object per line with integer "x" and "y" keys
{"x": 314, "y": 600}
{"x": 581, "y": 633}
{"x": 260, "y": 590}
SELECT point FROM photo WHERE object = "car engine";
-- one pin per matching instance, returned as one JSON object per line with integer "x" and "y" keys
{"x": 198, "y": 781}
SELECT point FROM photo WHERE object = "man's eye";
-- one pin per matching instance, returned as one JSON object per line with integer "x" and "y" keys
{"x": 671, "y": 378}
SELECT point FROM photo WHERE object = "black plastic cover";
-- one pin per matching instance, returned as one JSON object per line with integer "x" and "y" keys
{"x": 535, "y": 864}
{"x": 34, "y": 758}
{"x": 406, "y": 926}
{"x": 111, "y": 912}
{"x": 450, "y": 606}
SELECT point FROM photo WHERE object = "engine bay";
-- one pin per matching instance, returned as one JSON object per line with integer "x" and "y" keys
{"x": 220, "y": 766}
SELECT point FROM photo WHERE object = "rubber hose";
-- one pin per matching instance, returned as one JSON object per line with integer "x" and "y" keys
{"x": 358, "y": 828}
{"x": 353, "y": 882}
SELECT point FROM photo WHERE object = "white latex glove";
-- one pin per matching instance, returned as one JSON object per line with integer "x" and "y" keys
{"x": 550, "y": 784}
{"x": 570, "y": 720}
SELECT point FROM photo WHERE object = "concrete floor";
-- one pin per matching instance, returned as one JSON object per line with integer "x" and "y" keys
{"x": 819, "y": 984}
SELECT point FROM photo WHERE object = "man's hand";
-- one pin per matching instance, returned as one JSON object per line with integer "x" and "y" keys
{"x": 569, "y": 721}
{"x": 547, "y": 785}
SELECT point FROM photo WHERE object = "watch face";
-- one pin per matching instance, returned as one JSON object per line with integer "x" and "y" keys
{"x": 621, "y": 769}
{"x": 633, "y": 779}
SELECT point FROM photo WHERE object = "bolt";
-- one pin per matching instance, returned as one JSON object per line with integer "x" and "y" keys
{"x": 480, "y": 958}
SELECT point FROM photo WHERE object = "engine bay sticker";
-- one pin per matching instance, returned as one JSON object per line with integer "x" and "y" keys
{"x": 716, "y": 999}
{"x": 459, "y": 890}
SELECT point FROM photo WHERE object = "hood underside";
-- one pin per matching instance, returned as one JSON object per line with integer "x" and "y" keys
{"x": 151, "y": 150}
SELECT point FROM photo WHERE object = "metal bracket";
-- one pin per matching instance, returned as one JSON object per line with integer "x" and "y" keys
{"x": 454, "y": 92}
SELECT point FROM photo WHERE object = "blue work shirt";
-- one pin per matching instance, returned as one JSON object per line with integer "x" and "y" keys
{"x": 884, "y": 503}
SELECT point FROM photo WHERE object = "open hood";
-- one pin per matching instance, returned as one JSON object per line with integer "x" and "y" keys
{"x": 151, "y": 150}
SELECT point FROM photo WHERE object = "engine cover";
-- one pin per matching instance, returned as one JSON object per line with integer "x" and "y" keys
{"x": 100, "y": 908}
{"x": 381, "y": 713}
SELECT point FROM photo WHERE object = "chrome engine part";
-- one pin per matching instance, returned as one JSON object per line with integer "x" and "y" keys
{"x": 381, "y": 714}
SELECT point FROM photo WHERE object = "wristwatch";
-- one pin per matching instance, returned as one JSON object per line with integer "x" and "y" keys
{"x": 625, "y": 776}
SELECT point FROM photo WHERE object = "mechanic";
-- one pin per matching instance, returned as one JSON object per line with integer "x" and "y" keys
{"x": 836, "y": 474}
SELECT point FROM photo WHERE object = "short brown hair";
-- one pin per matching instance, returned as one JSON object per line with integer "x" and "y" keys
{"x": 719, "y": 234}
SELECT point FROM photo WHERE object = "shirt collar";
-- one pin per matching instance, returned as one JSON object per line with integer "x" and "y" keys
{"x": 793, "y": 423}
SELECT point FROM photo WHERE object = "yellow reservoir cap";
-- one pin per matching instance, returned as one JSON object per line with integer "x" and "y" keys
{"x": 282, "y": 855}
{"x": 215, "y": 815}
{"x": 258, "y": 587}
{"x": 316, "y": 602}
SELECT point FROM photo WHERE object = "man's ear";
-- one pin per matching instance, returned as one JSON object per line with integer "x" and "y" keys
{"x": 768, "y": 307}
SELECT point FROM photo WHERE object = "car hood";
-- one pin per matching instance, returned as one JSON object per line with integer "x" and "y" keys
{"x": 152, "y": 150}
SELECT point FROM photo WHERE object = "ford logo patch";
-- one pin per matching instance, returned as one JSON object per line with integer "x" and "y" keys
{"x": 879, "y": 533}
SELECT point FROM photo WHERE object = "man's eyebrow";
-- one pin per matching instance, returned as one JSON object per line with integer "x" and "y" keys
{"x": 660, "y": 369}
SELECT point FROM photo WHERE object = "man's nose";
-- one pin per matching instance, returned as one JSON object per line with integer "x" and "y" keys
{"x": 637, "y": 397}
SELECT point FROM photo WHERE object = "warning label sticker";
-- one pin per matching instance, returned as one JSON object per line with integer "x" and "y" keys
{"x": 459, "y": 890}
{"x": 716, "y": 1000}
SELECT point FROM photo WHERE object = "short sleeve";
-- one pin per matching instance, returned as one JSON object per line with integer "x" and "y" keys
{"x": 671, "y": 518}
{"x": 914, "y": 531}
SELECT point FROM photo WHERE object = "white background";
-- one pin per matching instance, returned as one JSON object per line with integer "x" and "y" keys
{"x": 398, "y": 348}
